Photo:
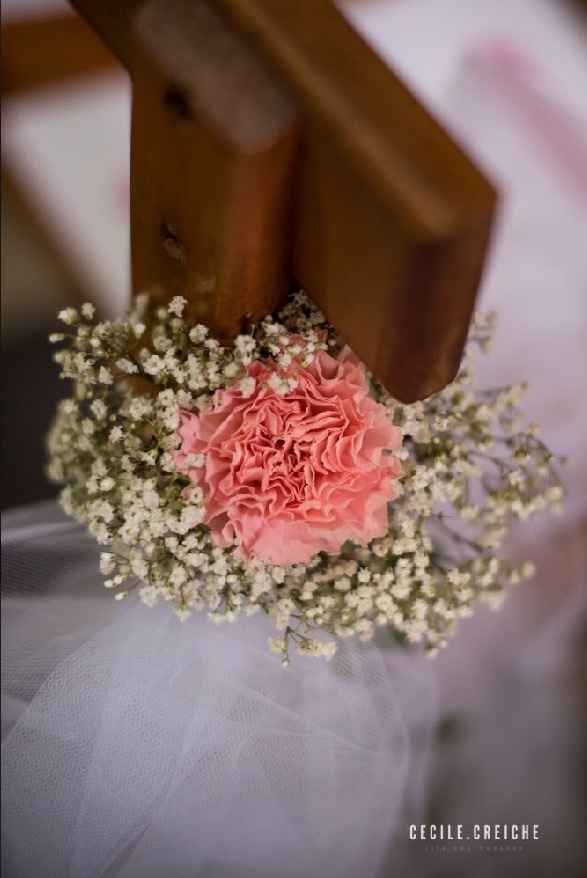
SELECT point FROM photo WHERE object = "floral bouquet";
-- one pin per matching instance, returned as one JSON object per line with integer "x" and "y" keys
{"x": 276, "y": 474}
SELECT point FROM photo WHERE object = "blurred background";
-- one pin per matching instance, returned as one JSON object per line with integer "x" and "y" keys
{"x": 65, "y": 210}
{"x": 509, "y": 79}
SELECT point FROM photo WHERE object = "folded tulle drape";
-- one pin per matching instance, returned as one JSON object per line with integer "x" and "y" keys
{"x": 139, "y": 746}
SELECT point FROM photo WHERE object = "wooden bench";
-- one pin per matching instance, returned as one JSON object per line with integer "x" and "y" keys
{"x": 273, "y": 149}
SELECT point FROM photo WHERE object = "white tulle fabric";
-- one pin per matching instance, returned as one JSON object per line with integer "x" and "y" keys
{"x": 139, "y": 747}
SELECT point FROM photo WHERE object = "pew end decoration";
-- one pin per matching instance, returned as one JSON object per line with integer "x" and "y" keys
{"x": 275, "y": 474}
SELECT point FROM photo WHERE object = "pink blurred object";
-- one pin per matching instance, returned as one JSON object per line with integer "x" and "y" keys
{"x": 518, "y": 81}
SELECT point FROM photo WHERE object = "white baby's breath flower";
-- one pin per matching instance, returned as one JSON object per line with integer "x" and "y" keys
{"x": 116, "y": 434}
{"x": 140, "y": 407}
{"x": 125, "y": 365}
{"x": 198, "y": 334}
{"x": 278, "y": 575}
{"x": 182, "y": 613}
{"x": 99, "y": 409}
{"x": 68, "y": 316}
{"x": 247, "y": 386}
{"x": 167, "y": 462}
{"x": 107, "y": 563}
{"x": 280, "y": 385}
{"x": 191, "y": 516}
{"x": 178, "y": 575}
{"x": 177, "y": 305}
{"x": 88, "y": 310}
{"x": 230, "y": 370}
{"x": 342, "y": 584}
{"x": 277, "y": 645}
{"x": 153, "y": 365}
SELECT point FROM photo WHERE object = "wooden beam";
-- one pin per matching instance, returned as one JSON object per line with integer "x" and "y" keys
{"x": 272, "y": 147}
{"x": 213, "y": 145}
{"x": 44, "y": 51}
{"x": 393, "y": 218}
{"x": 113, "y": 22}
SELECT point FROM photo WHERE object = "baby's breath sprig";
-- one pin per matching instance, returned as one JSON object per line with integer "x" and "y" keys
{"x": 471, "y": 469}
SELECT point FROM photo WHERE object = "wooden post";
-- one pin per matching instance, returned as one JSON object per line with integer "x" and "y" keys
{"x": 271, "y": 147}
{"x": 213, "y": 144}
{"x": 213, "y": 147}
{"x": 39, "y": 51}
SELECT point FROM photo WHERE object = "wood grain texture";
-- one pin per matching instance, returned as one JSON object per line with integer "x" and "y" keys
{"x": 393, "y": 219}
{"x": 213, "y": 146}
{"x": 272, "y": 148}
{"x": 113, "y": 21}
{"x": 44, "y": 51}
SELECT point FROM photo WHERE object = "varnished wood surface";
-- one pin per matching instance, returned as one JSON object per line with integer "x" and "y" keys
{"x": 213, "y": 147}
{"x": 44, "y": 51}
{"x": 393, "y": 219}
{"x": 214, "y": 142}
{"x": 113, "y": 22}
{"x": 355, "y": 193}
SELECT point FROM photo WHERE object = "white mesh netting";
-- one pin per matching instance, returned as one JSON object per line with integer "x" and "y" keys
{"x": 138, "y": 746}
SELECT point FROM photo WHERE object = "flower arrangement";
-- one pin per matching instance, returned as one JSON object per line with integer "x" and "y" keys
{"x": 275, "y": 474}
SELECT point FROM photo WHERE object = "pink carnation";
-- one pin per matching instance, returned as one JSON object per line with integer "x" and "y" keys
{"x": 288, "y": 476}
